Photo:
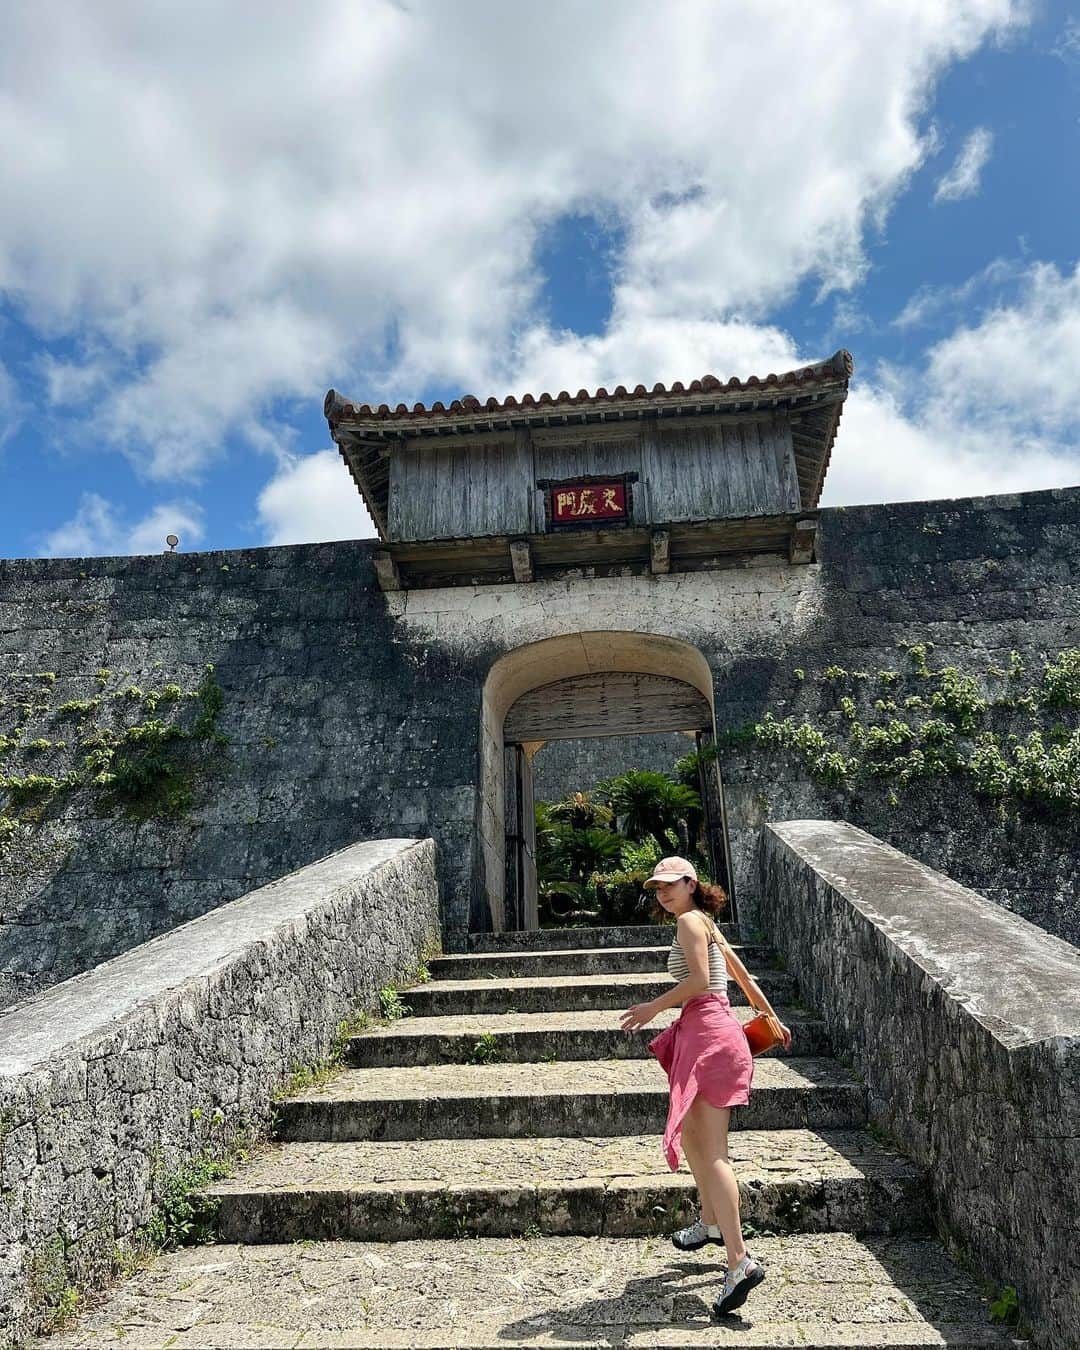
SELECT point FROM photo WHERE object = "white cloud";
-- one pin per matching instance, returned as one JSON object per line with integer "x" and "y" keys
{"x": 933, "y": 304}
{"x": 963, "y": 179}
{"x": 72, "y": 384}
{"x": 97, "y": 529}
{"x": 667, "y": 348}
{"x": 1015, "y": 372}
{"x": 1067, "y": 44}
{"x": 273, "y": 198}
{"x": 993, "y": 411}
{"x": 887, "y": 452}
{"x": 11, "y": 408}
{"x": 312, "y": 499}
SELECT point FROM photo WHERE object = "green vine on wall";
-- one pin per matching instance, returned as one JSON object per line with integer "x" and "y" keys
{"x": 951, "y": 738}
{"x": 145, "y": 768}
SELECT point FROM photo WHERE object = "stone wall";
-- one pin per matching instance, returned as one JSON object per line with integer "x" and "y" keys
{"x": 993, "y": 585}
{"x": 1027, "y": 861}
{"x": 351, "y": 714}
{"x": 113, "y": 1081}
{"x": 980, "y": 579}
{"x": 338, "y": 730}
{"x": 562, "y": 767}
{"x": 964, "y": 1021}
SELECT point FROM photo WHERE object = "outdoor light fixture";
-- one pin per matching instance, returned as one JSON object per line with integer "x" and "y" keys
{"x": 172, "y": 540}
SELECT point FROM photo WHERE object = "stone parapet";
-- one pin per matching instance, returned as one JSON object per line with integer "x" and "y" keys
{"x": 964, "y": 1021}
{"x": 113, "y": 1081}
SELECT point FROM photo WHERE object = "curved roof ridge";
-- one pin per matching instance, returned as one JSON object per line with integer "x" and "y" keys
{"x": 839, "y": 366}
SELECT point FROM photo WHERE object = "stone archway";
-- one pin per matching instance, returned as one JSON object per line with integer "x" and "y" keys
{"x": 591, "y": 683}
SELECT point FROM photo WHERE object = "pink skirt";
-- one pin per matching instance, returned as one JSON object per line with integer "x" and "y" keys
{"x": 705, "y": 1050}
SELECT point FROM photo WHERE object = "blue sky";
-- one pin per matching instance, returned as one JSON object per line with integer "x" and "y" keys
{"x": 215, "y": 214}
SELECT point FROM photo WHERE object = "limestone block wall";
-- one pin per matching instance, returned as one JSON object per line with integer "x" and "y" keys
{"x": 993, "y": 583}
{"x": 561, "y": 767}
{"x": 1028, "y": 862}
{"x": 964, "y": 1021}
{"x": 338, "y": 730}
{"x": 351, "y": 714}
{"x": 114, "y": 1080}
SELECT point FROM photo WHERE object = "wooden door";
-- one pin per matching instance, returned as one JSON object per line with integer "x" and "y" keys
{"x": 521, "y": 891}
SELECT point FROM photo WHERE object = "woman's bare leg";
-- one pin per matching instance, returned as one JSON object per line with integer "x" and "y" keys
{"x": 691, "y": 1147}
{"x": 713, "y": 1173}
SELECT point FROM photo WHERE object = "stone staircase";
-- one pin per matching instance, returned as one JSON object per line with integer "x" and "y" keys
{"x": 505, "y": 1139}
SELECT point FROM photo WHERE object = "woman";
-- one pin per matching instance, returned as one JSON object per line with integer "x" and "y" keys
{"x": 709, "y": 1066}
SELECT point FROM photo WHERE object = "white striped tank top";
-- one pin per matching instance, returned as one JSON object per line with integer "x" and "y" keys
{"x": 679, "y": 970}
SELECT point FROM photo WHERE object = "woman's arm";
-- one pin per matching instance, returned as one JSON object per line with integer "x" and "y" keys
{"x": 694, "y": 941}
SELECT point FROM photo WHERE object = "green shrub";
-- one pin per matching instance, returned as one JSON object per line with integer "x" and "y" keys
{"x": 78, "y": 707}
{"x": 1060, "y": 686}
{"x": 486, "y": 1050}
{"x": 959, "y": 698}
{"x": 1005, "y": 1306}
{"x": 183, "y": 1218}
{"x": 390, "y": 1004}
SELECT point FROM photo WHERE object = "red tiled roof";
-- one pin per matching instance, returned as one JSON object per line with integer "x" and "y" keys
{"x": 838, "y": 367}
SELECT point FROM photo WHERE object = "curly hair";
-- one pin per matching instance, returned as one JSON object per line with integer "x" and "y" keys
{"x": 711, "y": 898}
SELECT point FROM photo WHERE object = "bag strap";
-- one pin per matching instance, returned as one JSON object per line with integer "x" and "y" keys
{"x": 725, "y": 949}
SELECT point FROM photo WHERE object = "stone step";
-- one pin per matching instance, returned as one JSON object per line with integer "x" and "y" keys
{"x": 440, "y": 998}
{"x": 821, "y": 1292}
{"x": 789, "y": 1180}
{"x": 606, "y": 1097}
{"x": 572, "y": 961}
{"x": 530, "y": 1037}
{"x": 553, "y": 939}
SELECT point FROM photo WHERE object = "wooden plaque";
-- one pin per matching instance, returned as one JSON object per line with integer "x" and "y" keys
{"x": 589, "y": 501}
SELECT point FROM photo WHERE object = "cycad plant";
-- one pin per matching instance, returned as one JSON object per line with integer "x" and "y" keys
{"x": 594, "y": 850}
{"x": 572, "y": 845}
{"x": 687, "y": 771}
{"x": 582, "y": 812}
{"x": 647, "y": 803}
{"x": 588, "y": 851}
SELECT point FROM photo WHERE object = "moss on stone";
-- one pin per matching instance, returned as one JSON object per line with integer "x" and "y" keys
{"x": 146, "y": 770}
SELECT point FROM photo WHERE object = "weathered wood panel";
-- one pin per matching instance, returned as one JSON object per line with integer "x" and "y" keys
{"x": 763, "y": 475}
{"x": 692, "y": 545}
{"x": 652, "y": 484}
{"x": 786, "y": 467}
{"x": 559, "y": 457}
{"x": 609, "y": 704}
{"x": 713, "y": 471}
{"x": 459, "y": 489}
{"x": 690, "y": 470}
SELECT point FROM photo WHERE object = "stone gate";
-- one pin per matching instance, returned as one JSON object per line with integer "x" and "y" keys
{"x": 361, "y": 689}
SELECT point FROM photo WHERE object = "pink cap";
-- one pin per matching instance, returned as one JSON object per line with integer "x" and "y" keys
{"x": 671, "y": 869}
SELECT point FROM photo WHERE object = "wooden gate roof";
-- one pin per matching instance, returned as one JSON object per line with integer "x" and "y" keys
{"x": 812, "y": 395}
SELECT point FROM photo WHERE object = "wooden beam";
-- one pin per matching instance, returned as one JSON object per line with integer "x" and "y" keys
{"x": 521, "y": 560}
{"x": 386, "y": 569}
{"x": 801, "y": 545}
{"x": 608, "y": 704}
{"x": 660, "y": 552}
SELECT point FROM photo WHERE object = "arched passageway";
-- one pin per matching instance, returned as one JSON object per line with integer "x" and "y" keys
{"x": 606, "y": 683}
